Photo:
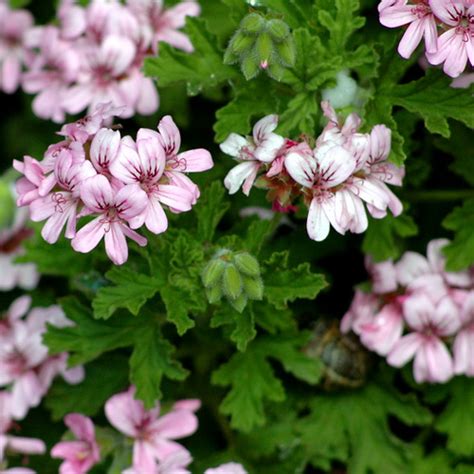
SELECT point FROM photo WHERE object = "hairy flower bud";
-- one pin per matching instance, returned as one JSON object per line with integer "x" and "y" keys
{"x": 232, "y": 282}
{"x": 241, "y": 43}
{"x": 253, "y": 23}
{"x": 247, "y": 264}
{"x": 253, "y": 287}
{"x": 213, "y": 272}
{"x": 278, "y": 30}
{"x": 286, "y": 52}
{"x": 250, "y": 67}
{"x": 264, "y": 48}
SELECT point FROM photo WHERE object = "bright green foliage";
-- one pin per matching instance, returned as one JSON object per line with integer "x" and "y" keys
{"x": 460, "y": 253}
{"x": 450, "y": 103}
{"x": 383, "y": 238}
{"x": 131, "y": 291}
{"x": 152, "y": 358}
{"x": 283, "y": 284}
{"x": 457, "y": 419}
{"x": 200, "y": 70}
{"x": 336, "y": 420}
{"x": 253, "y": 380}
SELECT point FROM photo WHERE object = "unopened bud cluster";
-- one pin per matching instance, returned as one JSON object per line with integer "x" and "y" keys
{"x": 261, "y": 44}
{"x": 235, "y": 276}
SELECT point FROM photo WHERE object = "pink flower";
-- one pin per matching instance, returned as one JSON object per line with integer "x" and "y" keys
{"x": 106, "y": 76}
{"x": 50, "y": 73}
{"x": 104, "y": 149}
{"x": 177, "y": 164}
{"x": 28, "y": 187}
{"x": 463, "y": 346}
{"x": 416, "y": 271}
{"x": 143, "y": 164}
{"x": 261, "y": 149}
{"x": 13, "y": 26}
{"x": 162, "y": 25}
{"x": 228, "y": 468}
{"x": 14, "y": 313}
{"x": 319, "y": 174}
{"x": 15, "y": 274}
{"x": 421, "y": 23}
{"x": 383, "y": 276}
{"x": 14, "y": 443}
{"x": 363, "y": 308}
{"x": 384, "y": 331}
{"x": 83, "y": 453}
{"x": 430, "y": 323}
{"x": 456, "y": 45}
{"x": 153, "y": 435}
{"x": 115, "y": 210}
{"x": 60, "y": 206}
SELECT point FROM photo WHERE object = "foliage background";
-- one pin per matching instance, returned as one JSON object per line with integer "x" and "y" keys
{"x": 148, "y": 322}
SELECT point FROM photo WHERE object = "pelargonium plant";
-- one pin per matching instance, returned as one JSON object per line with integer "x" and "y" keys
{"x": 249, "y": 248}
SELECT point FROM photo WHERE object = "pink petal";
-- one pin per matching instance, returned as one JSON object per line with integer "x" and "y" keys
{"x": 19, "y": 308}
{"x": 81, "y": 426}
{"x": 130, "y": 201}
{"x": 264, "y": 127}
{"x": 10, "y": 73}
{"x": 463, "y": 350}
{"x": 155, "y": 220}
{"x": 433, "y": 362}
{"x": 404, "y": 349}
{"x": 69, "y": 449}
{"x": 89, "y": 236}
{"x": 411, "y": 266}
{"x": 302, "y": 168}
{"x": 144, "y": 457}
{"x": 336, "y": 164}
{"x": 26, "y": 445}
{"x": 116, "y": 244}
{"x": 117, "y": 53}
{"x": 169, "y": 135}
{"x": 418, "y": 311}
{"x": 175, "y": 425}
{"x": 97, "y": 193}
{"x": 198, "y": 159}
{"x": 233, "y": 145}
{"x": 317, "y": 224}
{"x": 446, "y": 317}
{"x": 397, "y": 15}
{"x": 125, "y": 413}
{"x": 104, "y": 148}
{"x": 238, "y": 174}
{"x": 148, "y": 100}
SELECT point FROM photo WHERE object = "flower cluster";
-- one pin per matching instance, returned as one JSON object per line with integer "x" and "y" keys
{"x": 418, "y": 309}
{"x": 26, "y": 369}
{"x": 94, "y": 54}
{"x": 453, "y": 19}
{"x": 334, "y": 178}
{"x": 23, "y": 275}
{"x": 154, "y": 449}
{"x": 123, "y": 183}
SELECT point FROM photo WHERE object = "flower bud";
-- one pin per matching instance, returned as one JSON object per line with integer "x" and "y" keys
{"x": 213, "y": 272}
{"x": 247, "y": 264}
{"x": 278, "y": 30}
{"x": 250, "y": 67}
{"x": 232, "y": 282}
{"x": 240, "y": 43}
{"x": 230, "y": 57}
{"x": 7, "y": 208}
{"x": 276, "y": 71}
{"x": 286, "y": 52}
{"x": 214, "y": 294}
{"x": 253, "y": 23}
{"x": 253, "y": 287}
{"x": 264, "y": 47}
{"x": 239, "y": 303}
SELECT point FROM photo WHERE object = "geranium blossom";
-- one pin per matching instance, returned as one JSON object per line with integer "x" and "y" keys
{"x": 153, "y": 435}
{"x": 262, "y": 148}
{"x": 81, "y": 454}
{"x": 463, "y": 346}
{"x": 13, "y": 26}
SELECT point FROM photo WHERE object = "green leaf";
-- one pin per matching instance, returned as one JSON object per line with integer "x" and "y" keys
{"x": 417, "y": 97}
{"x": 382, "y": 240}
{"x": 104, "y": 378}
{"x": 332, "y": 431}
{"x": 131, "y": 291}
{"x": 203, "y": 68}
{"x": 210, "y": 209}
{"x": 151, "y": 360}
{"x": 460, "y": 252}
{"x": 237, "y": 115}
{"x": 177, "y": 308}
{"x": 457, "y": 419}
{"x": 253, "y": 381}
{"x": 300, "y": 114}
{"x": 89, "y": 338}
{"x": 258, "y": 232}
{"x": 283, "y": 285}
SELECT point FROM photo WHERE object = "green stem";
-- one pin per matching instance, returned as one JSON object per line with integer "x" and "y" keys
{"x": 438, "y": 195}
